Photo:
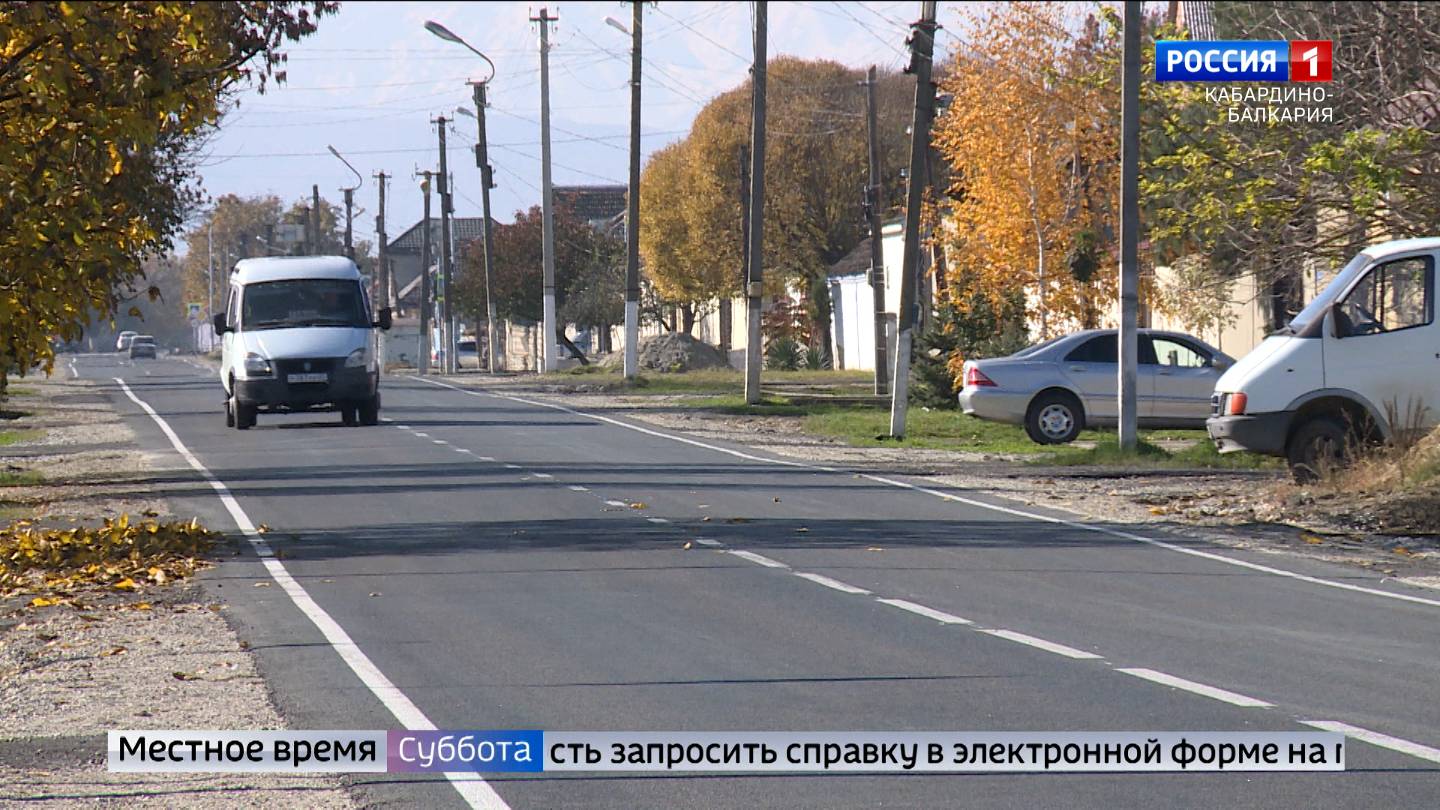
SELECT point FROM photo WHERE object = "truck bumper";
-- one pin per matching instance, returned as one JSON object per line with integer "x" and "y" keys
{"x": 1259, "y": 433}
{"x": 344, "y": 385}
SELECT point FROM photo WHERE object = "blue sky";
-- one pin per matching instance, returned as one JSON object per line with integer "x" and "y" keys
{"x": 369, "y": 81}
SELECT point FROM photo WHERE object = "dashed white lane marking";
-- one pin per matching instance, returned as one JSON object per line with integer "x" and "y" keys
{"x": 578, "y": 488}
{"x": 833, "y": 584}
{"x": 422, "y": 435}
{"x": 542, "y": 475}
{"x": 1087, "y": 527}
{"x": 486, "y": 458}
{"x": 758, "y": 559}
{"x": 616, "y": 503}
{"x": 439, "y": 441}
{"x": 705, "y": 541}
{"x": 461, "y": 450}
{"x": 1414, "y": 749}
{"x": 475, "y": 791}
{"x": 74, "y": 372}
{"x": 929, "y": 613}
{"x": 657, "y": 520}
{"x": 512, "y": 466}
{"x": 1040, "y": 644}
{"x": 402, "y": 427}
{"x": 1214, "y": 693}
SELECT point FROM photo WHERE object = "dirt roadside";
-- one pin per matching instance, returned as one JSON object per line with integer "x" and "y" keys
{"x": 160, "y": 658}
{"x": 1248, "y": 509}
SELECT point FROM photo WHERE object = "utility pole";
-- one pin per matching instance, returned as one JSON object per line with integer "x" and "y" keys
{"x": 632, "y": 215}
{"x": 743, "y": 152}
{"x": 548, "y": 329}
{"x": 874, "y": 200}
{"x": 756, "y": 242}
{"x": 315, "y": 219}
{"x": 1129, "y": 221}
{"x": 487, "y": 182}
{"x": 349, "y": 218}
{"x": 425, "y": 292}
{"x": 383, "y": 259}
{"x": 922, "y": 47}
{"x": 447, "y": 331}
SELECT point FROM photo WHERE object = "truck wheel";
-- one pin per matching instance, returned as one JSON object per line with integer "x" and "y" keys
{"x": 1316, "y": 447}
{"x": 229, "y": 415}
{"x": 347, "y": 415}
{"x": 370, "y": 411}
{"x": 1054, "y": 417}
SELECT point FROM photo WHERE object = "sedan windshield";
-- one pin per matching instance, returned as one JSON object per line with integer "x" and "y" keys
{"x": 303, "y": 302}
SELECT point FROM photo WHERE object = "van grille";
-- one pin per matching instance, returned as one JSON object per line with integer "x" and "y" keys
{"x": 297, "y": 365}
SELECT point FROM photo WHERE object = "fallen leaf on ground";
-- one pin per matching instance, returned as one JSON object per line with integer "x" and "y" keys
{"x": 41, "y": 601}
{"x": 262, "y": 585}
{"x": 184, "y": 676}
{"x": 686, "y": 546}
{"x": 126, "y": 584}
{"x": 375, "y": 593}
{"x": 638, "y": 505}
{"x": 262, "y": 528}
{"x": 705, "y": 519}
{"x": 140, "y": 606}
{"x": 777, "y": 499}
{"x": 114, "y": 651}
{"x": 802, "y": 529}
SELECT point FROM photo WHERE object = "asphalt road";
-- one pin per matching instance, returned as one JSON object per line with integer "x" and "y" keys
{"x": 487, "y": 555}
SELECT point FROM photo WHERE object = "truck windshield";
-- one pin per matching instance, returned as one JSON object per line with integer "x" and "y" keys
{"x": 1316, "y": 308}
{"x": 303, "y": 302}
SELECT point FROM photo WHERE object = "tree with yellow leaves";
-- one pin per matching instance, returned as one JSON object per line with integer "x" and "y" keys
{"x": 1031, "y": 136}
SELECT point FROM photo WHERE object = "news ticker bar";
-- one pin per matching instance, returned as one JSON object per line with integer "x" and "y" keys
{"x": 535, "y": 751}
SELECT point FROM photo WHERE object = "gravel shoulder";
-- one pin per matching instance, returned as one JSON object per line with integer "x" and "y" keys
{"x": 1253, "y": 510}
{"x": 159, "y": 659}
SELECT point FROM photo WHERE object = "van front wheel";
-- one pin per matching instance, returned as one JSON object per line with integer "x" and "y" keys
{"x": 1317, "y": 447}
{"x": 369, "y": 411}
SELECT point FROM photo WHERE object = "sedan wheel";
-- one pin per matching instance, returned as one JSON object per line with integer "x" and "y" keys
{"x": 1054, "y": 418}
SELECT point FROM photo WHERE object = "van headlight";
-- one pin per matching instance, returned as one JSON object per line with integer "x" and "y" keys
{"x": 257, "y": 366}
{"x": 358, "y": 358}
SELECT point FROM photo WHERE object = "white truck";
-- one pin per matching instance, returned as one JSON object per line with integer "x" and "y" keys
{"x": 1358, "y": 364}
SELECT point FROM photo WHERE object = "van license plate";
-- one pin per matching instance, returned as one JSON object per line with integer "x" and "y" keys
{"x": 307, "y": 378}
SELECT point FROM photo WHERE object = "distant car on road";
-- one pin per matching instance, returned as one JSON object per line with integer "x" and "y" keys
{"x": 122, "y": 341}
{"x": 1059, "y": 387}
{"x": 142, "y": 346}
{"x": 466, "y": 354}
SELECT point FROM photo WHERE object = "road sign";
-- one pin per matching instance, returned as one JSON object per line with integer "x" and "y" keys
{"x": 193, "y": 310}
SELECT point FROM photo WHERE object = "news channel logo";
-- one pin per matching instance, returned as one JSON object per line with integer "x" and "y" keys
{"x": 1300, "y": 60}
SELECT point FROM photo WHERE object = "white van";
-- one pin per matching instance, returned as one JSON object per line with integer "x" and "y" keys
{"x": 298, "y": 336}
{"x": 1361, "y": 362}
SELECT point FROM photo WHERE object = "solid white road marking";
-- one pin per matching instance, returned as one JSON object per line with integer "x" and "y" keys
{"x": 476, "y": 792}
{"x": 758, "y": 559}
{"x": 1039, "y": 643}
{"x": 1414, "y": 749}
{"x": 1223, "y": 695}
{"x": 1088, "y": 527}
{"x": 833, "y": 584}
{"x": 929, "y": 613}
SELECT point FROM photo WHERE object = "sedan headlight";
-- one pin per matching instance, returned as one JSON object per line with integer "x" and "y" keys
{"x": 257, "y": 366}
{"x": 358, "y": 358}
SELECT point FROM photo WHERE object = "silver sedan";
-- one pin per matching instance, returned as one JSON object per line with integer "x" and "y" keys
{"x": 1059, "y": 387}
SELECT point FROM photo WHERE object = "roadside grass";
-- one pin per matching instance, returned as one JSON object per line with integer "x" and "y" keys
{"x": 19, "y": 391}
{"x": 9, "y": 437}
{"x": 23, "y": 478}
{"x": 1146, "y": 454}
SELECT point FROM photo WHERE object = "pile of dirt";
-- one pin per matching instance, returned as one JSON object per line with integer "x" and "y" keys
{"x": 679, "y": 352}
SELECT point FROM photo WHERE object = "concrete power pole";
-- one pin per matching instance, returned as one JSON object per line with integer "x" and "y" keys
{"x": 426, "y": 294}
{"x": 315, "y": 219}
{"x": 447, "y": 324}
{"x": 1129, "y": 221}
{"x": 349, "y": 223}
{"x": 922, "y": 47}
{"x": 383, "y": 260}
{"x": 548, "y": 330}
{"x": 487, "y": 182}
{"x": 754, "y": 287}
{"x": 874, "y": 201}
{"x": 632, "y": 213}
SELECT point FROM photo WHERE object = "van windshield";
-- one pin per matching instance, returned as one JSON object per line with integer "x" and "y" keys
{"x": 303, "y": 302}
{"x": 1316, "y": 308}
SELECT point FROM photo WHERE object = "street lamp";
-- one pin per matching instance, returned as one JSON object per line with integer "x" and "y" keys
{"x": 617, "y": 25}
{"x": 482, "y": 160}
{"x": 349, "y": 201}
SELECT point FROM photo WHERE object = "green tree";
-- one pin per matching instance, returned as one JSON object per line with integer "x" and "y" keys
{"x": 101, "y": 107}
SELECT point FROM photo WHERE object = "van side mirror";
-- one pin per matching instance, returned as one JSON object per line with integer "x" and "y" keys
{"x": 384, "y": 320}
{"x": 1340, "y": 320}
{"x": 219, "y": 322}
